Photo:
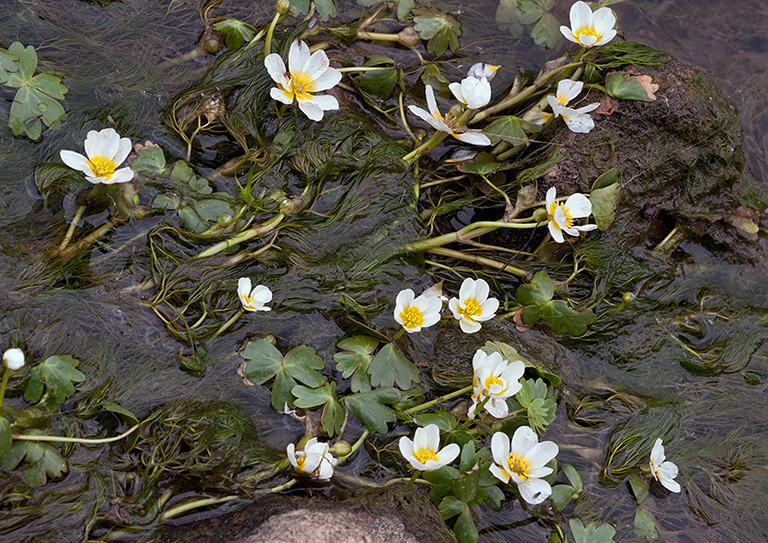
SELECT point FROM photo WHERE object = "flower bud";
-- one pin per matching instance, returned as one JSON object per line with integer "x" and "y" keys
{"x": 341, "y": 448}
{"x": 13, "y": 359}
{"x": 283, "y": 6}
{"x": 628, "y": 298}
{"x": 540, "y": 215}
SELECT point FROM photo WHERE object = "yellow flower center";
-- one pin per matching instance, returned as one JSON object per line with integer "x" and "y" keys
{"x": 412, "y": 317}
{"x": 300, "y": 86}
{"x": 562, "y": 99}
{"x": 470, "y": 310}
{"x": 300, "y": 462}
{"x": 566, "y": 212}
{"x": 102, "y": 166}
{"x": 520, "y": 465}
{"x": 586, "y": 31}
{"x": 422, "y": 455}
{"x": 494, "y": 380}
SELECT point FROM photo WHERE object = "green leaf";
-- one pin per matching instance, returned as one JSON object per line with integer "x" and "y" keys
{"x": 58, "y": 373}
{"x": 573, "y": 477}
{"x": 510, "y": 354}
{"x": 211, "y": 209}
{"x": 151, "y": 160}
{"x": 307, "y": 398}
{"x": 41, "y": 460}
{"x": 606, "y": 179}
{"x": 389, "y": 367}
{"x": 507, "y": 129}
{"x": 539, "y": 290}
{"x": 561, "y": 497}
{"x": 639, "y": 486}
{"x": 235, "y": 32}
{"x": 622, "y": 85}
{"x": 332, "y": 417}
{"x": 495, "y": 496}
{"x": 326, "y": 8}
{"x": 443, "y": 418}
{"x": 301, "y": 6}
{"x": 302, "y": 363}
{"x": 357, "y": 362}
{"x": 163, "y": 201}
{"x": 26, "y": 64}
{"x": 5, "y": 436}
{"x": 541, "y": 413}
{"x": 7, "y": 64}
{"x": 482, "y": 164}
{"x": 367, "y": 407}
{"x": 508, "y": 17}
{"x": 645, "y": 526}
{"x": 562, "y": 318}
{"x": 404, "y": 7}
{"x": 440, "y": 29}
{"x": 379, "y": 83}
{"x": 547, "y": 31}
{"x": 591, "y": 534}
{"x": 264, "y": 361}
{"x": 465, "y": 529}
{"x": 465, "y": 486}
{"x": 119, "y": 410}
{"x": 450, "y": 507}
{"x": 281, "y": 391}
{"x": 604, "y": 204}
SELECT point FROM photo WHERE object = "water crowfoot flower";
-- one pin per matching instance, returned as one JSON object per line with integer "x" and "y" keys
{"x": 106, "y": 150}
{"x": 590, "y": 28}
{"x": 524, "y": 461}
{"x": 577, "y": 120}
{"x": 448, "y": 124}
{"x": 13, "y": 359}
{"x": 562, "y": 215}
{"x": 315, "y": 460}
{"x": 253, "y": 300}
{"x": 663, "y": 472}
{"x": 415, "y": 313}
{"x": 496, "y": 379}
{"x": 473, "y": 305}
{"x": 482, "y": 70}
{"x": 423, "y": 454}
{"x": 306, "y": 75}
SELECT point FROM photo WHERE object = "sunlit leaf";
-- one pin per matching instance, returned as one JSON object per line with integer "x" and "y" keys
{"x": 389, "y": 367}
{"x": 560, "y": 315}
{"x": 573, "y": 477}
{"x": 332, "y": 416}
{"x": 639, "y": 486}
{"x": 539, "y": 290}
{"x": 7, "y": 64}
{"x": 507, "y": 128}
{"x": 561, "y": 497}
{"x": 604, "y": 202}
{"x": 58, "y": 373}
{"x": 622, "y": 85}
{"x": 151, "y": 160}
{"x": 356, "y": 362}
{"x": 368, "y": 408}
{"x": 235, "y": 32}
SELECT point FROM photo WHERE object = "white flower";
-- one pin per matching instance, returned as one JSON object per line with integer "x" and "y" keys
{"x": 578, "y": 120}
{"x": 415, "y": 313}
{"x": 473, "y": 305}
{"x": 589, "y": 29}
{"x": 106, "y": 150}
{"x": 496, "y": 379}
{"x": 13, "y": 359}
{"x": 482, "y": 70}
{"x": 472, "y": 92}
{"x": 448, "y": 123}
{"x": 664, "y": 472}
{"x": 561, "y": 215}
{"x": 423, "y": 454}
{"x": 524, "y": 462}
{"x": 315, "y": 460}
{"x": 306, "y": 74}
{"x": 253, "y": 300}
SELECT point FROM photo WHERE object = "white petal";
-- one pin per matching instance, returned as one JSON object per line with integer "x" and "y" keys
{"x": 585, "y": 228}
{"x": 469, "y": 327}
{"x": 123, "y": 175}
{"x": 406, "y": 448}
{"x": 298, "y": 56}
{"x": 291, "y": 452}
{"x": 557, "y": 235}
{"x": 488, "y": 308}
{"x": 275, "y": 67}
{"x": 500, "y": 474}
{"x": 671, "y": 485}
{"x": 535, "y": 491}
{"x": 472, "y": 137}
{"x": 456, "y": 90}
{"x": 327, "y": 80}
{"x": 578, "y": 205}
{"x": 431, "y": 102}
{"x": 580, "y": 15}
{"x": 587, "y": 40}
{"x": 75, "y": 161}
{"x": 568, "y": 34}
{"x": 323, "y": 101}
{"x": 448, "y": 454}
{"x": 569, "y": 88}
{"x": 554, "y": 104}
{"x": 317, "y": 65}
{"x": 560, "y": 219}
{"x": 606, "y": 37}
{"x": 541, "y": 453}
{"x": 311, "y": 110}
{"x": 603, "y": 20}
{"x": 523, "y": 440}
{"x": 280, "y": 96}
{"x": 657, "y": 453}
{"x": 580, "y": 124}
{"x": 424, "y": 116}
{"x": 123, "y": 150}
{"x": 481, "y": 290}
{"x": 587, "y": 108}
{"x": 262, "y": 294}
{"x": 497, "y": 408}
{"x": 551, "y": 197}
{"x": 500, "y": 447}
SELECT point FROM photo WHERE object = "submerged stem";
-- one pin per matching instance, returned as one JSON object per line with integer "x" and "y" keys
{"x": 436, "y": 401}
{"x": 62, "y": 439}
{"x": 229, "y": 323}
{"x": 245, "y": 235}
{"x": 72, "y": 227}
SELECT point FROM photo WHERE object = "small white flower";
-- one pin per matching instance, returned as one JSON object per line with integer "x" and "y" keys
{"x": 423, "y": 454}
{"x": 472, "y": 92}
{"x": 415, "y": 313}
{"x": 13, "y": 359}
{"x": 577, "y": 120}
{"x": 589, "y": 29}
{"x": 561, "y": 215}
{"x": 106, "y": 150}
{"x": 482, "y": 70}
{"x": 253, "y": 300}
{"x": 448, "y": 123}
{"x": 664, "y": 472}
{"x": 315, "y": 460}
{"x": 473, "y": 305}
{"x": 524, "y": 462}
{"x": 306, "y": 75}
{"x": 496, "y": 379}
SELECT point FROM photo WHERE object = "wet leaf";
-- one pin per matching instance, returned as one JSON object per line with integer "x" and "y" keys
{"x": 41, "y": 460}
{"x": 332, "y": 416}
{"x": 606, "y": 179}
{"x": 573, "y": 477}
{"x": 561, "y": 497}
{"x": 163, "y": 201}
{"x": 356, "y": 362}
{"x": 508, "y": 17}
{"x": 639, "y": 486}
{"x": 390, "y": 367}
{"x": 450, "y": 507}
{"x": 235, "y": 32}
{"x": 440, "y": 29}
{"x": 547, "y": 31}
{"x": 645, "y": 526}
{"x": 465, "y": 486}
{"x": 7, "y": 64}
{"x": 431, "y": 76}
{"x": 151, "y": 160}
{"x": 483, "y": 164}
{"x": 404, "y": 7}
{"x": 367, "y": 407}
{"x": 541, "y": 413}
{"x": 604, "y": 205}
{"x": 326, "y": 8}
{"x": 58, "y": 373}
{"x": 495, "y": 496}
{"x": 442, "y": 418}
{"x": 591, "y": 533}
{"x": 562, "y": 318}
{"x": 539, "y": 290}
{"x": 119, "y": 410}
{"x": 5, "y": 436}
{"x": 465, "y": 529}
{"x": 301, "y": 6}
{"x": 623, "y": 85}
{"x": 507, "y": 129}
{"x": 379, "y": 83}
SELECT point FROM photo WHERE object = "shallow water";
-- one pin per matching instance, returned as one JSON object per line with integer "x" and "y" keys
{"x": 630, "y": 372}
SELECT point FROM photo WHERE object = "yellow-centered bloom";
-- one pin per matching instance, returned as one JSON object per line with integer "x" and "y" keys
{"x": 306, "y": 75}
{"x": 496, "y": 379}
{"x": 577, "y": 120}
{"x": 416, "y": 312}
{"x": 448, "y": 123}
{"x": 589, "y": 29}
{"x": 561, "y": 215}
{"x": 253, "y": 300}
{"x": 523, "y": 461}
{"x": 664, "y": 472}
{"x": 105, "y": 151}
{"x": 473, "y": 305}
{"x": 424, "y": 453}
{"x": 315, "y": 460}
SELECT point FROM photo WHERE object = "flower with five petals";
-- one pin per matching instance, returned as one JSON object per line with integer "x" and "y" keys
{"x": 253, "y": 300}
{"x": 424, "y": 453}
{"x": 590, "y": 28}
{"x": 315, "y": 460}
{"x": 524, "y": 461}
{"x": 473, "y": 305}
{"x": 306, "y": 75}
{"x": 416, "y": 312}
{"x": 561, "y": 215}
{"x": 496, "y": 379}
{"x": 448, "y": 124}
{"x": 577, "y": 120}
{"x": 663, "y": 471}
{"x": 105, "y": 151}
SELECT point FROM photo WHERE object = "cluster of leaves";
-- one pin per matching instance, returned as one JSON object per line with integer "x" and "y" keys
{"x": 36, "y": 101}
{"x": 515, "y": 15}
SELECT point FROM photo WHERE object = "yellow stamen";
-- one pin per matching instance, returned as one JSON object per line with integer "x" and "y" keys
{"x": 470, "y": 310}
{"x": 566, "y": 212}
{"x": 300, "y": 462}
{"x": 102, "y": 166}
{"x": 422, "y": 455}
{"x": 520, "y": 465}
{"x": 494, "y": 380}
{"x": 586, "y": 31}
{"x": 300, "y": 86}
{"x": 562, "y": 99}
{"x": 412, "y": 317}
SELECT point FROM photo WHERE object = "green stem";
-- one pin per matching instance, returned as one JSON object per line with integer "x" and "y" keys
{"x": 229, "y": 323}
{"x": 413, "y": 479}
{"x": 245, "y": 235}
{"x": 61, "y": 439}
{"x": 270, "y": 32}
{"x": 398, "y": 335}
{"x": 436, "y": 401}
{"x": 428, "y": 145}
{"x": 72, "y": 227}
{"x": 355, "y": 446}
{"x": 284, "y": 486}
{"x": 480, "y": 260}
{"x": 470, "y": 231}
{"x": 183, "y": 508}
{"x": 89, "y": 239}
{"x": 6, "y": 376}
{"x": 378, "y": 36}
{"x": 362, "y": 69}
